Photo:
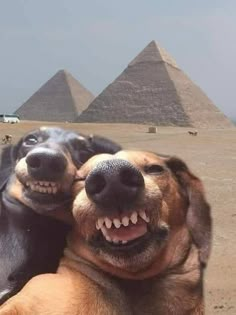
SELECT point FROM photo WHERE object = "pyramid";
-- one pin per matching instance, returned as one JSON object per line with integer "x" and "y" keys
{"x": 61, "y": 98}
{"x": 154, "y": 90}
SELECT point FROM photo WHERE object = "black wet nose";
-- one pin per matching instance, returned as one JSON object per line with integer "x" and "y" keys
{"x": 46, "y": 164}
{"x": 114, "y": 183}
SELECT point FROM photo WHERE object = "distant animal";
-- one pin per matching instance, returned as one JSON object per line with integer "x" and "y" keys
{"x": 139, "y": 245}
{"x": 193, "y": 133}
{"x": 36, "y": 177}
{"x": 7, "y": 139}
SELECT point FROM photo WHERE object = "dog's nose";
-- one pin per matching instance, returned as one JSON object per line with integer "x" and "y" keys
{"x": 114, "y": 183}
{"x": 46, "y": 164}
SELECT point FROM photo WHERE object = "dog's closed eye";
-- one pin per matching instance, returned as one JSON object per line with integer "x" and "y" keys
{"x": 154, "y": 169}
{"x": 79, "y": 178}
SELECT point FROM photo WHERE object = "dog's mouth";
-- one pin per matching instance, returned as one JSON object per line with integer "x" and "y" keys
{"x": 43, "y": 187}
{"x": 121, "y": 232}
{"x": 48, "y": 194}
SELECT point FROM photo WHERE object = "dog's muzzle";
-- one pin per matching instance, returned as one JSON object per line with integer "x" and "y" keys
{"x": 114, "y": 184}
{"x": 46, "y": 164}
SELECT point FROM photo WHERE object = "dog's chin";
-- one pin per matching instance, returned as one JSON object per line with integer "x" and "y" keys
{"x": 42, "y": 204}
{"x": 134, "y": 255}
{"x": 50, "y": 198}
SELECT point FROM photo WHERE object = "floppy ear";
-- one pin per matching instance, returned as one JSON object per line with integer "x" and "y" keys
{"x": 6, "y": 165}
{"x": 198, "y": 217}
{"x": 8, "y": 159}
{"x": 15, "y": 151}
{"x": 103, "y": 145}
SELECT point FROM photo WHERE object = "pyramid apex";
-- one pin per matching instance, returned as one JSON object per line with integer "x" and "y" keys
{"x": 64, "y": 74}
{"x": 152, "y": 42}
{"x": 59, "y": 73}
{"x": 153, "y": 52}
{"x": 62, "y": 71}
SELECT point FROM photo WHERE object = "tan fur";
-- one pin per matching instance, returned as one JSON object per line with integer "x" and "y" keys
{"x": 162, "y": 281}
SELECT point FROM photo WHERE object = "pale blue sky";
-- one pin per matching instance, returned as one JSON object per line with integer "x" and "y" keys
{"x": 95, "y": 40}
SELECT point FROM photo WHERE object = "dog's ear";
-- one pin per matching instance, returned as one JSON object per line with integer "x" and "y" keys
{"x": 103, "y": 145}
{"x": 198, "y": 216}
{"x": 8, "y": 159}
{"x": 15, "y": 151}
{"x": 6, "y": 165}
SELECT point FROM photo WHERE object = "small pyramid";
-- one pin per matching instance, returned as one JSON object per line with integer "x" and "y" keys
{"x": 61, "y": 98}
{"x": 154, "y": 90}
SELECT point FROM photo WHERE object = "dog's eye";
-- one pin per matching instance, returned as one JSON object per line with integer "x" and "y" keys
{"x": 79, "y": 179}
{"x": 154, "y": 169}
{"x": 31, "y": 140}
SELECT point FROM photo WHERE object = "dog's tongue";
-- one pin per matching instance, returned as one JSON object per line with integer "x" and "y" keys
{"x": 127, "y": 233}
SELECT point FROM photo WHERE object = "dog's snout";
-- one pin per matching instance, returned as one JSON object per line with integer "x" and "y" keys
{"x": 114, "y": 183}
{"x": 46, "y": 164}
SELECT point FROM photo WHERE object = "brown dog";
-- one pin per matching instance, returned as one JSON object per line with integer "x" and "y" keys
{"x": 139, "y": 245}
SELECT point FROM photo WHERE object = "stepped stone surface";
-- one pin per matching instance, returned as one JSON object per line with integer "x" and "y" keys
{"x": 62, "y": 98}
{"x": 154, "y": 90}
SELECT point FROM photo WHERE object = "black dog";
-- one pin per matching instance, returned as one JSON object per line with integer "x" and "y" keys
{"x": 36, "y": 176}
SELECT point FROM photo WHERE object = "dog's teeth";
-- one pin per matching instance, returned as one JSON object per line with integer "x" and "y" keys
{"x": 117, "y": 223}
{"x": 134, "y": 217}
{"x": 99, "y": 223}
{"x": 104, "y": 231}
{"x": 124, "y": 242}
{"x": 108, "y": 238}
{"x": 49, "y": 190}
{"x": 43, "y": 187}
{"x": 143, "y": 215}
{"x": 108, "y": 223}
{"x": 53, "y": 184}
{"x": 54, "y": 190}
{"x": 125, "y": 221}
{"x": 32, "y": 186}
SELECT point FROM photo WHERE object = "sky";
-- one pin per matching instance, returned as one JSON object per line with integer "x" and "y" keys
{"x": 96, "y": 39}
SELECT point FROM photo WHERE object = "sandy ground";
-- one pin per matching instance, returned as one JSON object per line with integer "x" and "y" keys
{"x": 212, "y": 156}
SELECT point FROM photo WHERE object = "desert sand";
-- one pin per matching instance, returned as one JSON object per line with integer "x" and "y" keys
{"x": 212, "y": 156}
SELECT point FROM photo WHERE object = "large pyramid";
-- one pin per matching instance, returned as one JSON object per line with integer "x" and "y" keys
{"x": 154, "y": 90}
{"x": 62, "y": 98}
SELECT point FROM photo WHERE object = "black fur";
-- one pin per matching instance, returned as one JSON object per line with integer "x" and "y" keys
{"x": 101, "y": 145}
{"x": 31, "y": 243}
